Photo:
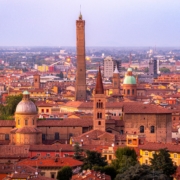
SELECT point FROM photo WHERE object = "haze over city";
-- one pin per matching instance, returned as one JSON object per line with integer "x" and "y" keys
{"x": 108, "y": 22}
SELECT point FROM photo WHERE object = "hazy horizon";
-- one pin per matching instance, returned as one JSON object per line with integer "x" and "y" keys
{"x": 109, "y": 23}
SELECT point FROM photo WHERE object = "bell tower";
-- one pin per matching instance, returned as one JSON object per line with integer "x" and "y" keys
{"x": 99, "y": 105}
{"x": 80, "y": 94}
{"x": 36, "y": 78}
{"x": 116, "y": 82}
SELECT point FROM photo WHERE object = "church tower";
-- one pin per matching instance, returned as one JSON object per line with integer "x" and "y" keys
{"x": 36, "y": 79}
{"x": 80, "y": 94}
{"x": 99, "y": 105}
{"x": 116, "y": 82}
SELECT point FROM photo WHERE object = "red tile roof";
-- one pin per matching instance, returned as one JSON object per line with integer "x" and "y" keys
{"x": 82, "y": 122}
{"x": 51, "y": 162}
{"x": 139, "y": 108}
{"x": 156, "y": 146}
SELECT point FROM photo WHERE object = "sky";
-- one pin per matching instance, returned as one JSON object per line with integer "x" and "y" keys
{"x": 111, "y": 23}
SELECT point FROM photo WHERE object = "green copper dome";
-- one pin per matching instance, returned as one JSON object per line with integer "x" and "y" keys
{"x": 25, "y": 93}
{"x": 129, "y": 78}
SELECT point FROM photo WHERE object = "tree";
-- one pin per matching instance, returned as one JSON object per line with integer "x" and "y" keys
{"x": 77, "y": 152}
{"x": 93, "y": 158}
{"x": 7, "y": 111}
{"x": 141, "y": 172}
{"x": 65, "y": 173}
{"x": 12, "y": 102}
{"x": 61, "y": 75}
{"x": 146, "y": 69}
{"x": 165, "y": 70}
{"x": 162, "y": 161}
{"x": 108, "y": 169}
{"x": 125, "y": 157}
{"x": 111, "y": 171}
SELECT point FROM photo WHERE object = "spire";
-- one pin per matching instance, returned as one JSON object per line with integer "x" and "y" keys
{"x": 99, "y": 89}
{"x": 116, "y": 70}
{"x": 80, "y": 15}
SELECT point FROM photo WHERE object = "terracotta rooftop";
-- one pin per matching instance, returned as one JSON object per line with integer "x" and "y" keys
{"x": 156, "y": 146}
{"x": 53, "y": 147}
{"x": 25, "y": 130}
{"x": 94, "y": 137}
{"x": 82, "y": 122}
{"x": 136, "y": 107}
{"x": 51, "y": 162}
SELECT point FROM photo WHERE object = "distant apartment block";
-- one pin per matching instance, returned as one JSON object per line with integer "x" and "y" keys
{"x": 153, "y": 67}
{"x": 109, "y": 66}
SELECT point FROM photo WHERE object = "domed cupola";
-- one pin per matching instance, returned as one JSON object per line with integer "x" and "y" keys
{"x": 26, "y": 131}
{"x": 129, "y": 85}
{"x": 129, "y": 78}
{"x": 26, "y": 106}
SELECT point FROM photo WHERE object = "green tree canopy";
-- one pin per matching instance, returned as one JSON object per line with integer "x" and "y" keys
{"x": 61, "y": 75}
{"x": 162, "y": 161}
{"x": 93, "y": 158}
{"x": 125, "y": 157}
{"x": 77, "y": 152}
{"x": 164, "y": 70}
{"x": 8, "y": 110}
{"x": 108, "y": 169}
{"x": 141, "y": 172}
{"x": 65, "y": 173}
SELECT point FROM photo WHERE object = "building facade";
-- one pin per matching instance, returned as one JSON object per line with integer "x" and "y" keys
{"x": 110, "y": 65}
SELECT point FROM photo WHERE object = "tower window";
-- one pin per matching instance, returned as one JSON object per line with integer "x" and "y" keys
{"x": 133, "y": 91}
{"x": 99, "y": 115}
{"x": 128, "y": 91}
{"x": 99, "y": 122}
{"x": 141, "y": 129}
{"x": 152, "y": 129}
{"x": 26, "y": 122}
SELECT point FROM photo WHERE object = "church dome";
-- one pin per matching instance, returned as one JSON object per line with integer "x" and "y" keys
{"x": 26, "y": 106}
{"x": 129, "y": 78}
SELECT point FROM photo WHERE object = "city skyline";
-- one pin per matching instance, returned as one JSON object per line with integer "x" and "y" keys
{"x": 114, "y": 23}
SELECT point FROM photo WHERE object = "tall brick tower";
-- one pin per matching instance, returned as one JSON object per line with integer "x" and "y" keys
{"x": 80, "y": 94}
{"x": 99, "y": 105}
{"x": 37, "y": 83}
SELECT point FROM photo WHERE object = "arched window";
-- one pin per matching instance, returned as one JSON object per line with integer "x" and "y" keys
{"x": 152, "y": 129}
{"x": 100, "y": 115}
{"x": 141, "y": 129}
{"x": 97, "y": 105}
{"x": 18, "y": 122}
{"x": 101, "y": 105}
{"x": 99, "y": 122}
{"x": 133, "y": 92}
{"x": 26, "y": 122}
{"x": 33, "y": 121}
{"x": 128, "y": 91}
{"x": 97, "y": 115}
